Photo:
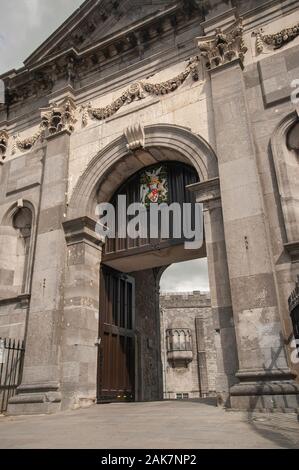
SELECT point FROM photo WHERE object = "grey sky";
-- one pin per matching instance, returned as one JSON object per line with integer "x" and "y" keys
{"x": 186, "y": 277}
{"x": 24, "y": 25}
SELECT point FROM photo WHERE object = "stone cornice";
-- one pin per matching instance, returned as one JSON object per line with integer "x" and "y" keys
{"x": 81, "y": 230}
{"x": 206, "y": 191}
{"x": 293, "y": 250}
{"x": 106, "y": 40}
{"x": 39, "y": 78}
{"x": 62, "y": 115}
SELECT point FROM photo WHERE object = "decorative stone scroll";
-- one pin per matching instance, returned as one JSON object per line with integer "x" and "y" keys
{"x": 54, "y": 119}
{"x": 139, "y": 91}
{"x": 4, "y": 137}
{"x": 223, "y": 46}
{"x": 276, "y": 40}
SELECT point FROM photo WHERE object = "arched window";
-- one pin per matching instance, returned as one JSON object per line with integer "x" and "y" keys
{"x": 285, "y": 152}
{"x": 22, "y": 223}
{"x": 16, "y": 237}
{"x": 179, "y": 340}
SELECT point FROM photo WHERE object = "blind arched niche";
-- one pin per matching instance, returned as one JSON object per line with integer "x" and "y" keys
{"x": 15, "y": 248}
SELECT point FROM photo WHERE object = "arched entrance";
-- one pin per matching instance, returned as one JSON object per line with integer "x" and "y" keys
{"x": 130, "y": 349}
{"x": 137, "y": 267}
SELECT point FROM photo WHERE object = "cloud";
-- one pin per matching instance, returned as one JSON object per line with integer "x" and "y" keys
{"x": 186, "y": 277}
{"x": 26, "y": 24}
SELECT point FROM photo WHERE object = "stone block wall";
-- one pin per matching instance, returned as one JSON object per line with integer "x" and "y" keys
{"x": 189, "y": 311}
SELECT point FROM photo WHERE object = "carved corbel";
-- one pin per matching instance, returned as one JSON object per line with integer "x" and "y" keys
{"x": 4, "y": 137}
{"x": 207, "y": 193}
{"x": 135, "y": 136}
{"x": 60, "y": 117}
{"x": 223, "y": 46}
{"x": 55, "y": 119}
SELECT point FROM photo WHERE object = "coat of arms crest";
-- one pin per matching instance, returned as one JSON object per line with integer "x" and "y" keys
{"x": 154, "y": 186}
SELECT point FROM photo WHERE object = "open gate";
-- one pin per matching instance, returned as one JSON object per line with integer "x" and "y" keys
{"x": 116, "y": 361}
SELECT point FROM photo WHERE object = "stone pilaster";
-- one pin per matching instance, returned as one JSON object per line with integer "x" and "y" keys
{"x": 40, "y": 389}
{"x": 80, "y": 325}
{"x": 208, "y": 193}
{"x": 265, "y": 378}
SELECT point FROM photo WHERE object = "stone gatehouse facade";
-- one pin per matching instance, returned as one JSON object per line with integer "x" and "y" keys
{"x": 188, "y": 347}
{"x": 204, "y": 89}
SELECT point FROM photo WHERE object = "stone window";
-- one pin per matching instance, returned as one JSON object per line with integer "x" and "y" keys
{"x": 179, "y": 340}
{"x": 179, "y": 347}
{"x": 182, "y": 396}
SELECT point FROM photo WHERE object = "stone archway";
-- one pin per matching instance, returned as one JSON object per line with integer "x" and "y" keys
{"x": 115, "y": 163}
{"x": 106, "y": 172}
{"x": 60, "y": 368}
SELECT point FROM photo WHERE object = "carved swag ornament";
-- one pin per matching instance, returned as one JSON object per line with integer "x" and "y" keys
{"x": 139, "y": 91}
{"x": 276, "y": 40}
{"x": 61, "y": 117}
{"x": 54, "y": 119}
{"x": 223, "y": 46}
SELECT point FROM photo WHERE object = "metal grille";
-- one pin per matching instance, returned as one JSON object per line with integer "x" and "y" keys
{"x": 11, "y": 368}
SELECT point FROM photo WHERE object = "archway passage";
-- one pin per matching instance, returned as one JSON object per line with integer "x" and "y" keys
{"x": 129, "y": 364}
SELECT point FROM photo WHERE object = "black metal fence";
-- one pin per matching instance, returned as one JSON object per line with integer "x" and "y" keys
{"x": 11, "y": 368}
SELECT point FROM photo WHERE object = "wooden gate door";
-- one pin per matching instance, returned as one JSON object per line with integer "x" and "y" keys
{"x": 116, "y": 371}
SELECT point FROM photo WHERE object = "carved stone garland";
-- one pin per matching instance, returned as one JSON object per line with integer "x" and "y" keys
{"x": 54, "y": 119}
{"x": 276, "y": 40}
{"x": 4, "y": 137}
{"x": 224, "y": 46}
{"x": 62, "y": 117}
{"x": 26, "y": 144}
{"x": 137, "y": 91}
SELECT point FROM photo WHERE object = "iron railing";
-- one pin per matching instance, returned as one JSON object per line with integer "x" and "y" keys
{"x": 11, "y": 369}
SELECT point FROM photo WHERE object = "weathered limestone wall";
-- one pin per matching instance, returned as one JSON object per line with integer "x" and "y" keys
{"x": 198, "y": 379}
{"x": 20, "y": 182}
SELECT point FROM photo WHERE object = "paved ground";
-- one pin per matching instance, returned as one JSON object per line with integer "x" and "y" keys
{"x": 150, "y": 425}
